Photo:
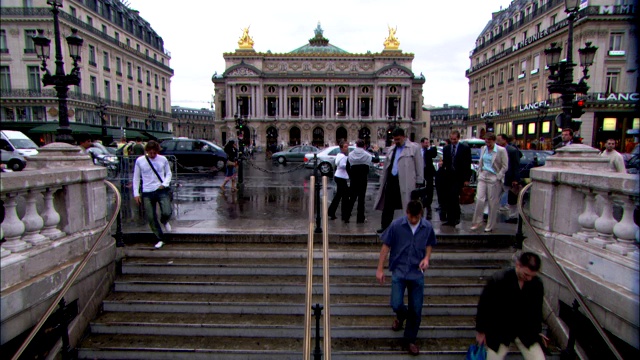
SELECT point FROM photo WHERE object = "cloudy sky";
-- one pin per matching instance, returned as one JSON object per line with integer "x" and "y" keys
{"x": 439, "y": 33}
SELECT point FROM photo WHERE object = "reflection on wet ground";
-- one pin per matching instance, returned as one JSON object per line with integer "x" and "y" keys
{"x": 271, "y": 201}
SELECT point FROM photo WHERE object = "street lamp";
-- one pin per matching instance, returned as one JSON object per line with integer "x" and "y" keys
{"x": 561, "y": 78}
{"x": 240, "y": 123}
{"x": 60, "y": 80}
{"x": 102, "y": 109}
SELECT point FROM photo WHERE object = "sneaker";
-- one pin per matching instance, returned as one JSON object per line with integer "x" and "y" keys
{"x": 167, "y": 227}
{"x": 504, "y": 208}
{"x": 159, "y": 245}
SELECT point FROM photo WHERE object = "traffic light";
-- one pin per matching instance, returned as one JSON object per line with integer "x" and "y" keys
{"x": 578, "y": 108}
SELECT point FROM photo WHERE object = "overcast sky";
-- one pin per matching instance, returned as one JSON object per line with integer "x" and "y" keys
{"x": 440, "y": 34}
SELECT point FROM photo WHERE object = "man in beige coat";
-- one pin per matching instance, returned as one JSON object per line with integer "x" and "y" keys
{"x": 493, "y": 165}
{"x": 403, "y": 172}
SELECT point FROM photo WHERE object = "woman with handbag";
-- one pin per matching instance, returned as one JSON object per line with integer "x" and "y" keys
{"x": 494, "y": 163}
{"x": 231, "y": 149}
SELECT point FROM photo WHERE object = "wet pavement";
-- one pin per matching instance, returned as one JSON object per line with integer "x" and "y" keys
{"x": 275, "y": 200}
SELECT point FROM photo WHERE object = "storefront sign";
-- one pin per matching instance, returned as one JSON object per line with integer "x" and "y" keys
{"x": 490, "y": 114}
{"x": 534, "y": 106}
{"x": 617, "y": 9}
{"x": 609, "y": 124}
{"x": 618, "y": 97}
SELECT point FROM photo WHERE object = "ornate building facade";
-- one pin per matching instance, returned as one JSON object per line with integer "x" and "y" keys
{"x": 508, "y": 77}
{"x": 446, "y": 119}
{"x": 193, "y": 123}
{"x": 124, "y": 66}
{"x": 317, "y": 94}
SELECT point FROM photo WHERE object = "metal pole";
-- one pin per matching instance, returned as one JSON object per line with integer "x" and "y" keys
{"x": 570, "y": 353}
{"x": 317, "y": 312}
{"x": 318, "y": 229}
{"x": 519, "y": 234}
{"x": 566, "y": 76}
{"x": 64, "y": 332}
{"x": 63, "y": 133}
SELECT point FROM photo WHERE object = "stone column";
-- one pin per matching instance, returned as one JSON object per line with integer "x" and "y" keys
{"x": 605, "y": 223}
{"x": 51, "y": 217}
{"x": 32, "y": 221}
{"x": 588, "y": 217}
{"x": 13, "y": 227}
{"x": 626, "y": 230}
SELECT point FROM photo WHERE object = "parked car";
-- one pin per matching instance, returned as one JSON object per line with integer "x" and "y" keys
{"x": 327, "y": 161}
{"x": 632, "y": 162}
{"x": 18, "y": 143}
{"x": 531, "y": 159}
{"x": 295, "y": 154}
{"x": 101, "y": 156}
{"x": 13, "y": 161}
{"x": 195, "y": 154}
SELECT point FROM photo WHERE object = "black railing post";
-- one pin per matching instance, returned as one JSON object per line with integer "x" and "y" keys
{"x": 570, "y": 353}
{"x": 119, "y": 234}
{"x": 318, "y": 229}
{"x": 317, "y": 312}
{"x": 519, "y": 234}
{"x": 66, "y": 352}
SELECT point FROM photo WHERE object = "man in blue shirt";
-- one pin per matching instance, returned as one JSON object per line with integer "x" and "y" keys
{"x": 409, "y": 240}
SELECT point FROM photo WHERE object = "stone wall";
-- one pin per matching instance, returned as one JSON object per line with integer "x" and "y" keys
{"x": 575, "y": 194}
{"x": 55, "y": 210}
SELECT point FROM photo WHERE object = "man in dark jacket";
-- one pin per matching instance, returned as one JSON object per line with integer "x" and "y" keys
{"x": 428, "y": 154}
{"x": 512, "y": 176}
{"x": 456, "y": 161}
{"x": 358, "y": 164}
{"x": 510, "y": 310}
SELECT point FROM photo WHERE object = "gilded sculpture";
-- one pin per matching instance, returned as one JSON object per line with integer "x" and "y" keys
{"x": 245, "y": 42}
{"x": 392, "y": 43}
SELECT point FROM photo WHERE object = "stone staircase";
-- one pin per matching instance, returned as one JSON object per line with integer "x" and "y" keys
{"x": 196, "y": 300}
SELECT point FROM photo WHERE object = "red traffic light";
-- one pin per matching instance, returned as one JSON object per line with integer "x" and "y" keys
{"x": 581, "y": 103}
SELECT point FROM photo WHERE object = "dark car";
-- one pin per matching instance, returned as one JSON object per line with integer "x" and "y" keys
{"x": 195, "y": 154}
{"x": 295, "y": 154}
{"x": 632, "y": 161}
{"x": 531, "y": 159}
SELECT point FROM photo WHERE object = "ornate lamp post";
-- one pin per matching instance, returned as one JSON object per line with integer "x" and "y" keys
{"x": 60, "y": 80}
{"x": 240, "y": 122}
{"x": 102, "y": 109}
{"x": 561, "y": 78}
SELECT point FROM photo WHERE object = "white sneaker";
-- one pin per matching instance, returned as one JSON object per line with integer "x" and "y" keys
{"x": 159, "y": 245}
{"x": 167, "y": 227}
{"x": 504, "y": 209}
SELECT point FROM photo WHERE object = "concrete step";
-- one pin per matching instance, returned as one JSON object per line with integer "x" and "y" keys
{"x": 146, "y": 347}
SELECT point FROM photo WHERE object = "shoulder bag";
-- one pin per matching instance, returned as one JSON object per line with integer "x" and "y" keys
{"x": 159, "y": 178}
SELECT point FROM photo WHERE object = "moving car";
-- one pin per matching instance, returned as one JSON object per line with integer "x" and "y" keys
{"x": 327, "y": 160}
{"x": 101, "y": 156}
{"x": 13, "y": 161}
{"x": 295, "y": 154}
{"x": 195, "y": 154}
{"x": 18, "y": 143}
{"x": 531, "y": 159}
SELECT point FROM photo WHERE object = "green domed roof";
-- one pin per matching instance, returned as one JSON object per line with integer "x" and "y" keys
{"x": 318, "y": 45}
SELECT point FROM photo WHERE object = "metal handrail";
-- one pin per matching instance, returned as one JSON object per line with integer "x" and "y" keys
{"x": 325, "y": 272}
{"x": 307, "y": 305}
{"x": 74, "y": 275}
{"x": 572, "y": 287}
{"x": 325, "y": 276}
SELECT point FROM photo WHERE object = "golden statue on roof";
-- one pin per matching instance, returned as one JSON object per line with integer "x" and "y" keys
{"x": 245, "y": 42}
{"x": 392, "y": 43}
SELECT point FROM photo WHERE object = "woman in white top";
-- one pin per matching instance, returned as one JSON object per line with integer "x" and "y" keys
{"x": 494, "y": 163}
{"x": 341, "y": 177}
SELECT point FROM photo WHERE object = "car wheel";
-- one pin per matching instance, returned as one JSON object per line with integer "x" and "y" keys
{"x": 325, "y": 168}
{"x": 282, "y": 160}
{"x": 15, "y": 165}
{"x": 220, "y": 164}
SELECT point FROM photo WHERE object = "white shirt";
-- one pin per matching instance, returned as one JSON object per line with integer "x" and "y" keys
{"x": 150, "y": 181}
{"x": 341, "y": 166}
{"x": 615, "y": 160}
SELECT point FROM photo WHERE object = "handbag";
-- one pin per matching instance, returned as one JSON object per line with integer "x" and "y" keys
{"x": 467, "y": 195}
{"x": 476, "y": 352}
{"x": 169, "y": 189}
{"x": 231, "y": 163}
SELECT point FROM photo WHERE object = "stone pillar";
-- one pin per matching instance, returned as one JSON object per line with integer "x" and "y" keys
{"x": 12, "y": 226}
{"x": 33, "y": 222}
{"x": 605, "y": 223}
{"x": 588, "y": 217}
{"x": 51, "y": 217}
{"x": 626, "y": 230}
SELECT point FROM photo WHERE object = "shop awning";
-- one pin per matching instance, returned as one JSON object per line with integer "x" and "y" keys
{"x": 75, "y": 129}
{"x": 157, "y": 135}
{"x": 116, "y": 133}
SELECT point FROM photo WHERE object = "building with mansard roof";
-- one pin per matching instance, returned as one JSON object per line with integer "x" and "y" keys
{"x": 508, "y": 77}
{"x": 317, "y": 94}
{"x": 124, "y": 65}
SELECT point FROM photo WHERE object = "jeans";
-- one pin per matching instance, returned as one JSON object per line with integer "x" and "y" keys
{"x": 149, "y": 201}
{"x": 412, "y": 313}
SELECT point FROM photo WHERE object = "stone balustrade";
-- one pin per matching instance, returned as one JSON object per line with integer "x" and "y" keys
{"x": 584, "y": 212}
{"x": 54, "y": 210}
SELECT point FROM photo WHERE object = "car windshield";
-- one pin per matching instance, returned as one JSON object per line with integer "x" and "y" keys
{"x": 24, "y": 144}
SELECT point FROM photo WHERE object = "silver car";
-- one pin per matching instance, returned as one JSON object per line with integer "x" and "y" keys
{"x": 327, "y": 160}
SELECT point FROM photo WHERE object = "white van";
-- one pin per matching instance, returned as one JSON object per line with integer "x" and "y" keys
{"x": 18, "y": 143}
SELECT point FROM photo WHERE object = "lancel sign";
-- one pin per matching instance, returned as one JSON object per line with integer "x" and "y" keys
{"x": 620, "y": 97}
{"x": 534, "y": 106}
{"x": 490, "y": 114}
